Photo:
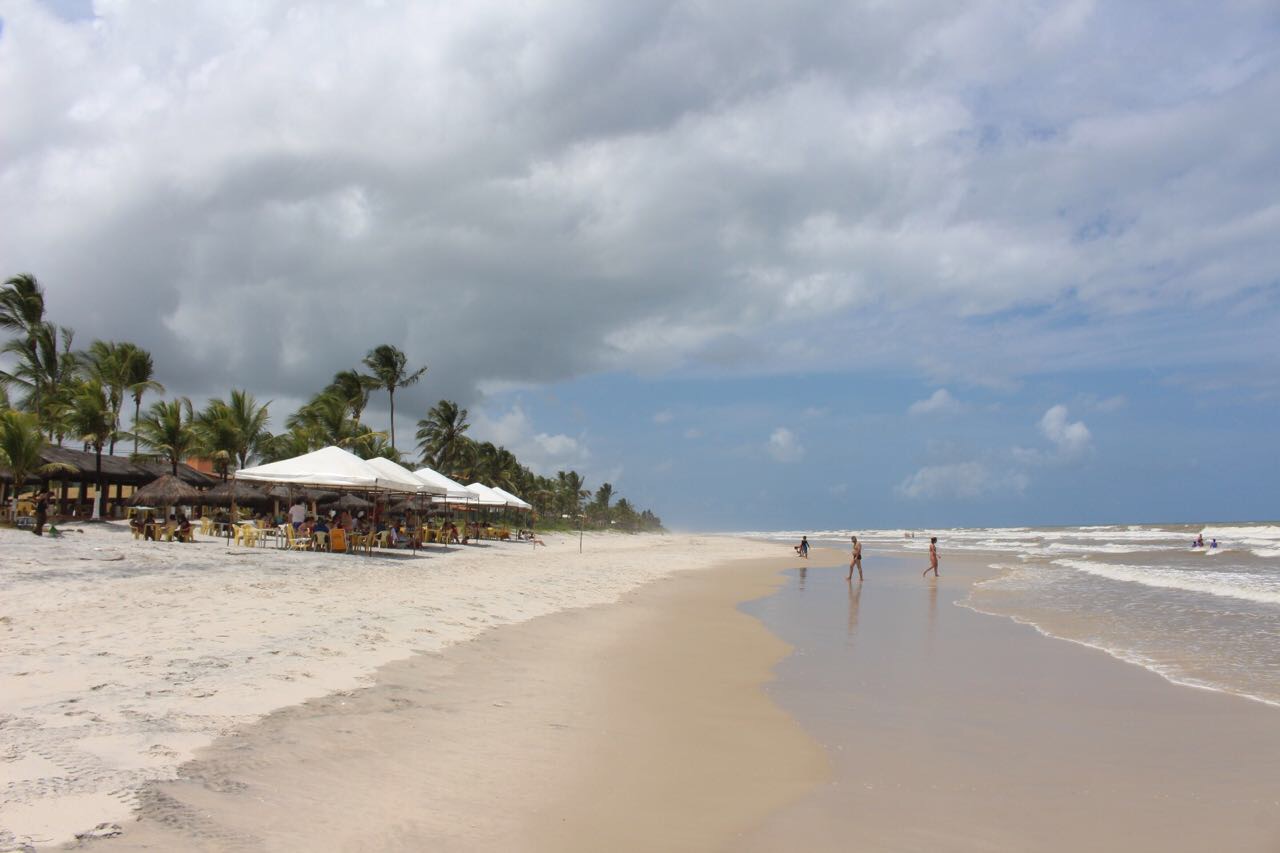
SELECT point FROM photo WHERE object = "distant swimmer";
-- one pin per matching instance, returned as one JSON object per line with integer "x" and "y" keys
{"x": 933, "y": 557}
{"x": 1213, "y": 543}
{"x": 1199, "y": 543}
{"x": 856, "y": 561}
{"x": 803, "y": 548}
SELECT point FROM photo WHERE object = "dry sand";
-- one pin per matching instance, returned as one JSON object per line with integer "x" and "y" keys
{"x": 637, "y": 726}
{"x": 122, "y": 657}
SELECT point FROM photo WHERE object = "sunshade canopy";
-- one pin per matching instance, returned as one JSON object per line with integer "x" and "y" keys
{"x": 454, "y": 492}
{"x": 392, "y": 469}
{"x": 512, "y": 500}
{"x": 488, "y": 497}
{"x": 330, "y": 467}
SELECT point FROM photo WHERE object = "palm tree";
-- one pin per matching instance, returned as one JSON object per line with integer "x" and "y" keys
{"x": 108, "y": 362}
{"x": 21, "y": 444}
{"x": 441, "y": 434}
{"x": 139, "y": 379}
{"x": 604, "y": 494}
{"x": 323, "y": 420}
{"x": 89, "y": 418}
{"x": 354, "y": 388}
{"x": 570, "y": 486}
{"x": 237, "y": 426}
{"x": 388, "y": 366}
{"x": 167, "y": 429}
{"x": 22, "y": 306}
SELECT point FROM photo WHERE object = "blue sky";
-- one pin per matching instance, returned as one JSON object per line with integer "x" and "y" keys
{"x": 827, "y": 264}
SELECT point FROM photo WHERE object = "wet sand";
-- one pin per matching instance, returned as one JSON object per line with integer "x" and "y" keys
{"x": 636, "y": 726}
{"x": 954, "y": 730}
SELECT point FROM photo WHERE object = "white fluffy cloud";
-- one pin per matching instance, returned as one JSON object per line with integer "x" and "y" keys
{"x": 940, "y": 402}
{"x": 1070, "y": 438}
{"x": 544, "y": 453}
{"x": 663, "y": 417}
{"x": 784, "y": 446}
{"x": 960, "y": 480}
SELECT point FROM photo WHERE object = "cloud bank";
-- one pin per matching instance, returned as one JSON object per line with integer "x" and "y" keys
{"x": 259, "y": 192}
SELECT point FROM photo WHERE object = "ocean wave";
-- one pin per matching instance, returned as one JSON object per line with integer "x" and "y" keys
{"x": 1246, "y": 587}
{"x": 1168, "y": 672}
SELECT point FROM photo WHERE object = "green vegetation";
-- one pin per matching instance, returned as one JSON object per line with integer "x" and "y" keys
{"x": 63, "y": 393}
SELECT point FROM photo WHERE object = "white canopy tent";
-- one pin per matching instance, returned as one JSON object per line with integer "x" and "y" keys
{"x": 454, "y": 492}
{"x": 512, "y": 500}
{"x": 332, "y": 468}
{"x": 488, "y": 497}
{"x": 391, "y": 469}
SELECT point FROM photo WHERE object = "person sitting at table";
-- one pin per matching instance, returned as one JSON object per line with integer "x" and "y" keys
{"x": 320, "y": 526}
{"x": 344, "y": 521}
{"x": 184, "y": 528}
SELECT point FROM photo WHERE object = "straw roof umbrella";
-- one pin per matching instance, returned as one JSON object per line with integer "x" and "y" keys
{"x": 234, "y": 491}
{"x": 165, "y": 490}
{"x": 352, "y": 502}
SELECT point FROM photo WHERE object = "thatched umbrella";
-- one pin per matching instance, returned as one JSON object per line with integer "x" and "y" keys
{"x": 234, "y": 491}
{"x": 165, "y": 491}
{"x": 352, "y": 502}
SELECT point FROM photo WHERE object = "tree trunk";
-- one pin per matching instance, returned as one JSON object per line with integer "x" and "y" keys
{"x": 392, "y": 395}
{"x": 97, "y": 471}
{"x": 137, "y": 410}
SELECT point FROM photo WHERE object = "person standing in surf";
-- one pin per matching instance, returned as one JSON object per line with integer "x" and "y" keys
{"x": 856, "y": 560}
{"x": 933, "y": 557}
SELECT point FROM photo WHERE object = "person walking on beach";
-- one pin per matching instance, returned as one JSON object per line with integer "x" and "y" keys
{"x": 803, "y": 548}
{"x": 856, "y": 561}
{"x": 933, "y": 557}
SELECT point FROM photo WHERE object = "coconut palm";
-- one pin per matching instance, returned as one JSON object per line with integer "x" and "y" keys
{"x": 21, "y": 444}
{"x": 139, "y": 379}
{"x": 108, "y": 362}
{"x": 604, "y": 494}
{"x": 22, "y": 305}
{"x": 354, "y": 388}
{"x": 89, "y": 418}
{"x": 236, "y": 426}
{"x": 167, "y": 428}
{"x": 441, "y": 434}
{"x": 571, "y": 490}
{"x": 388, "y": 366}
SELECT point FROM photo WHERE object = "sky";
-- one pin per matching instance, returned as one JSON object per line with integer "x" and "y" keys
{"x": 812, "y": 265}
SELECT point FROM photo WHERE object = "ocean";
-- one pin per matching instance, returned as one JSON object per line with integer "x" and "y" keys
{"x": 1204, "y": 617}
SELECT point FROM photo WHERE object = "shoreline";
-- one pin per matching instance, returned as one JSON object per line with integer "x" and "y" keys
{"x": 954, "y": 729}
{"x": 641, "y": 724}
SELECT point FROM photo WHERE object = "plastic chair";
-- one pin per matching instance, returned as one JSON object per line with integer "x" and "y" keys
{"x": 321, "y": 541}
{"x": 338, "y": 541}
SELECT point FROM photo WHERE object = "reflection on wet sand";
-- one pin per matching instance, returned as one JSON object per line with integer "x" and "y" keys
{"x": 804, "y": 571}
{"x": 933, "y": 609}
{"x": 855, "y": 598}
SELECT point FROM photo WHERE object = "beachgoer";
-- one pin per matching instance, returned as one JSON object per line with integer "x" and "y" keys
{"x": 184, "y": 528}
{"x": 856, "y": 561}
{"x": 1213, "y": 543}
{"x": 803, "y": 548}
{"x": 933, "y": 557}
{"x": 42, "y": 512}
{"x": 297, "y": 515}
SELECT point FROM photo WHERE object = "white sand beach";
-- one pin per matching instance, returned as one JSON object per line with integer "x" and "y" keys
{"x": 123, "y": 657}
